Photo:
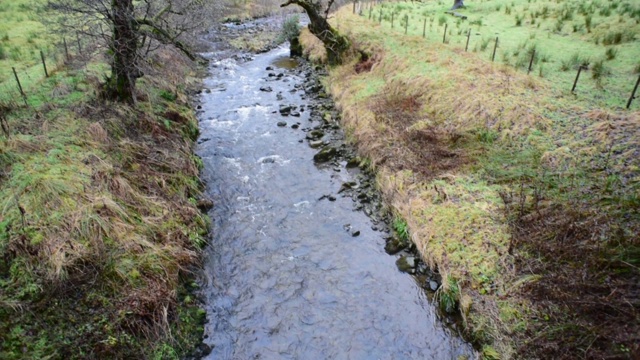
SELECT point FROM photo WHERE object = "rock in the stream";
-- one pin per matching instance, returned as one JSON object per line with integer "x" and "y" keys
{"x": 266, "y": 89}
{"x": 327, "y": 153}
{"x": 285, "y": 110}
{"x": 355, "y": 233}
{"x": 314, "y": 144}
{"x": 407, "y": 264}
{"x": 433, "y": 285}
{"x": 315, "y": 134}
{"x": 282, "y": 123}
{"x": 204, "y": 204}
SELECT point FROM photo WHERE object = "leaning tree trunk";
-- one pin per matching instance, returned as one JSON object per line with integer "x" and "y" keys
{"x": 457, "y": 4}
{"x": 335, "y": 43}
{"x": 124, "y": 46}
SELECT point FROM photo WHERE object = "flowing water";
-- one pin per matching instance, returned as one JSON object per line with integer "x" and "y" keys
{"x": 288, "y": 274}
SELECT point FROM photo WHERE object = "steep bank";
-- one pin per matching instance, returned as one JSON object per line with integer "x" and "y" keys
{"x": 503, "y": 181}
{"x": 99, "y": 218}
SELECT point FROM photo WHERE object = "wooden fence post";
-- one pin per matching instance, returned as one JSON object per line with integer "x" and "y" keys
{"x": 406, "y": 24}
{"x": 533, "y": 55}
{"x": 44, "y": 64}
{"x": 24, "y": 96}
{"x": 575, "y": 82}
{"x": 66, "y": 49}
{"x": 79, "y": 45}
{"x": 633, "y": 93}
{"x": 444, "y": 36}
{"x": 493, "y": 57}
{"x": 392, "y": 17}
{"x": 424, "y": 28}
{"x": 466, "y": 47}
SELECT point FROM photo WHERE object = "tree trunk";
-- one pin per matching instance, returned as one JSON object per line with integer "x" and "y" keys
{"x": 335, "y": 43}
{"x": 124, "y": 46}
{"x": 457, "y": 4}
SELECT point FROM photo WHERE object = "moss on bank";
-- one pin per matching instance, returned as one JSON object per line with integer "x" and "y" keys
{"x": 99, "y": 229}
{"x": 511, "y": 190}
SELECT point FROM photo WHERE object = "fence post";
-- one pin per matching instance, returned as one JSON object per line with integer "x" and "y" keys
{"x": 66, "y": 49}
{"x": 44, "y": 64}
{"x": 444, "y": 36}
{"x": 406, "y": 24}
{"x": 24, "y": 96}
{"x": 493, "y": 57}
{"x": 79, "y": 45}
{"x": 392, "y": 16}
{"x": 424, "y": 28}
{"x": 533, "y": 54}
{"x": 354, "y": 6}
{"x": 633, "y": 93}
{"x": 380, "y": 17}
{"x": 468, "y": 36}
{"x": 575, "y": 82}
{"x": 370, "y": 10}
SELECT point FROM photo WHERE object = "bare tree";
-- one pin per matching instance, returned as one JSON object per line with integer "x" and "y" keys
{"x": 128, "y": 29}
{"x": 335, "y": 43}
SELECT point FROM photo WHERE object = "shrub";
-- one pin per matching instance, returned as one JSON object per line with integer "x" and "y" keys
{"x": 611, "y": 53}
{"x": 599, "y": 72}
{"x": 519, "y": 19}
{"x": 3, "y": 53}
{"x": 587, "y": 22}
{"x": 290, "y": 29}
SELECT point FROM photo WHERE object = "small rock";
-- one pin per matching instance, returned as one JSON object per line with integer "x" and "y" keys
{"x": 208, "y": 91}
{"x": 204, "y": 204}
{"x": 394, "y": 246}
{"x": 328, "y": 153}
{"x": 282, "y": 123}
{"x": 269, "y": 68}
{"x": 353, "y": 163}
{"x": 407, "y": 264}
{"x": 315, "y": 134}
{"x": 355, "y": 233}
{"x": 314, "y": 144}
{"x": 295, "y": 126}
{"x": 295, "y": 113}
{"x": 272, "y": 75}
{"x": 266, "y": 89}
{"x": 433, "y": 285}
{"x": 347, "y": 186}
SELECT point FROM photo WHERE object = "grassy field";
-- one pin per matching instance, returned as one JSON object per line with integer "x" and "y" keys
{"x": 99, "y": 225}
{"x": 522, "y": 195}
{"x": 602, "y": 35}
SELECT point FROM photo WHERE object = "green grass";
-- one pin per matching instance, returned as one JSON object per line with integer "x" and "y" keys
{"x": 557, "y": 29}
{"x": 22, "y": 37}
{"x": 98, "y": 241}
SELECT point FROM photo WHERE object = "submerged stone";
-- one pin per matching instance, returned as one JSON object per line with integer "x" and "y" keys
{"x": 328, "y": 153}
{"x": 407, "y": 264}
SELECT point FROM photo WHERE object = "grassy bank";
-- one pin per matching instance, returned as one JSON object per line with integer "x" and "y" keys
{"x": 523, "y": 196}
{"x": 99, "y": 228}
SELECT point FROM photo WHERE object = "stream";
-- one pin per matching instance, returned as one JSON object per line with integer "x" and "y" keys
{"x": 293, "y": 271}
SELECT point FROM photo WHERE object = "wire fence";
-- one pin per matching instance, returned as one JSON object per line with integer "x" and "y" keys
{"x": 527, "y": 59}
{"x": 23, "y": 75}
